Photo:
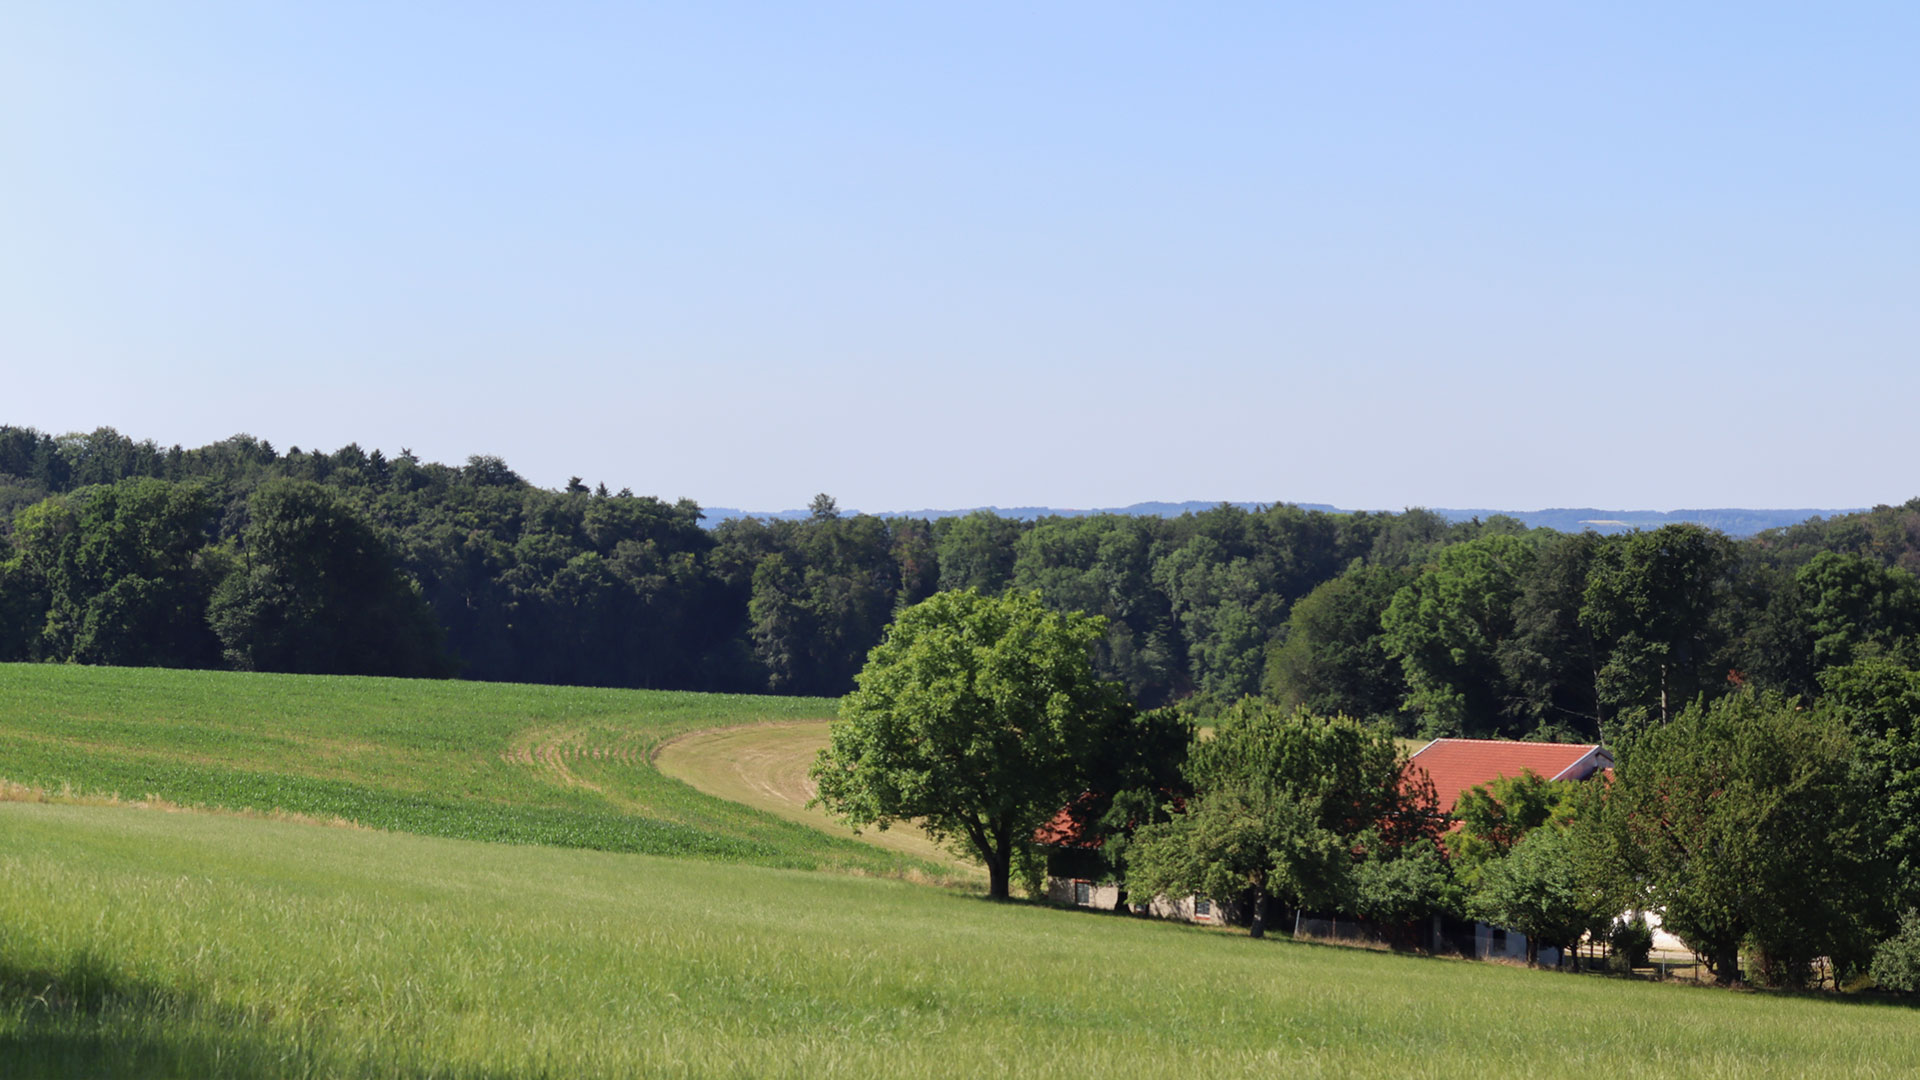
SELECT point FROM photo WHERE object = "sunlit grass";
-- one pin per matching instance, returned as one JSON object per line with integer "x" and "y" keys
{"x": 563, "y": 766}
{"x": 138, "y": 943}
{"x": 766, "y": 766}
{"x": 135, "y": 943}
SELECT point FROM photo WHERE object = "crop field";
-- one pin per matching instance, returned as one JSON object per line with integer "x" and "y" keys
{"x": 765, "y": 766}
{"x": 562, "y": 766}
{"x": 137, "y": 943}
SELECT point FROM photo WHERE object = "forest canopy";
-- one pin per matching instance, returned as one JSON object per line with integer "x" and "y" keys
{"x": 237, "y": 554}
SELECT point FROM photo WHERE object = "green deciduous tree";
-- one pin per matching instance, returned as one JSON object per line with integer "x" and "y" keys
{"x": 1447, "y": 628}
{"x": 1772, "y": 648}
{"x": 1550, "y": 887}
{"x": 1102, "y": 565}
{"x": 978, "y": 717}
{"x": 1334, "y": 657}
{"x": 817, "y": 594}
{"x": 1749, "y": 824}
{"x": 1284, "y": 804}
{"x": 316, "y": 591}
{"x": 1495, "y": 817}
{"x": 23, "y": 609}
{"x": 977, "y": 551}
{"x": 1652, "y": 603}
{"x": 126, "y": 573}
{"x": 1139, "y": 768}
{"x": 1227, "y": 601}
{"x": 1548, "y": 661}
{"x": 1879, "y": 701}
{"x": 1854, "y": 606}
{"x": 1396, "y": 887}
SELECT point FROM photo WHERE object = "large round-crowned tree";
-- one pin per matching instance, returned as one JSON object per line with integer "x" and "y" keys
{"x": 979, "y": 718}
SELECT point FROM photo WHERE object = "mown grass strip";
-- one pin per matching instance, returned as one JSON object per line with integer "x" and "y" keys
{"x": 765, "y": 766}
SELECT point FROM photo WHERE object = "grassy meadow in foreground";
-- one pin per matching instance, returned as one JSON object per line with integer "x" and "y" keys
{"x": 137, "y": 943}
{"x": 564, "y": 766}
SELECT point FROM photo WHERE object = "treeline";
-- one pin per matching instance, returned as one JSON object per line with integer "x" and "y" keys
{"x": 237, "y": 554}
{"x": 1777, "y": 839}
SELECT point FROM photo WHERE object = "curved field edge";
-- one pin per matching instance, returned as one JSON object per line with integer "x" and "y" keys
{"x": 765, "y": 766}
{"x": 142, "y": 944}
{"x": 507, "y": 763}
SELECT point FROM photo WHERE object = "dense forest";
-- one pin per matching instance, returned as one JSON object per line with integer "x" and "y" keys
{"x": 236, "y": 554}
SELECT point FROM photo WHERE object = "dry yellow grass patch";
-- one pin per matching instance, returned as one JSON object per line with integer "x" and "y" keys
{"x": 765, "y": 766}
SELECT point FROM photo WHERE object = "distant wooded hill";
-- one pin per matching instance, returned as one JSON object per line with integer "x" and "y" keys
{"x": 1735, "y": 522}
{"x": 238, "y": 554}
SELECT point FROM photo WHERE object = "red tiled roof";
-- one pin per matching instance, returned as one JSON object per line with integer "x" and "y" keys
{"x": 1454, "y": 765}
{"x": 1068, "y": 826}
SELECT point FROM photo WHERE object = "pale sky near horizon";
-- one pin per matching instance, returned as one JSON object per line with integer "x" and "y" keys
{"x": 1515, "y": 255}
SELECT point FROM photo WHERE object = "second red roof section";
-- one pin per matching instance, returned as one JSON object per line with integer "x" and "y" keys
{"x": 1455, "y": 765}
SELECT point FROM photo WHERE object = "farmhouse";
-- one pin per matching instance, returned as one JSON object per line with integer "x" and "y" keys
{"x": 1456, "y": 766}
{"x": 1077, "y": 875}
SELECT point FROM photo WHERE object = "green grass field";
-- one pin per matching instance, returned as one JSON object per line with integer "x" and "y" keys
{"x": 561, "y": 766}
{"x": 139, "y": 943}
{"x": 142, "y": 943}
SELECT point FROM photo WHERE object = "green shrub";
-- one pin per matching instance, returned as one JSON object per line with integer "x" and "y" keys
{"x": 1632, "y": 942}
{"x": 1896, "y": 963}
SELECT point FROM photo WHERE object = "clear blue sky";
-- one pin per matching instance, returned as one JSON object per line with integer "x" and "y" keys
{"x": 1378, "y": 254}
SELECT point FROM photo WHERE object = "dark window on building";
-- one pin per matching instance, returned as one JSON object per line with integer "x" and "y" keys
{"x": 1083, "y": 892}
{"x": 1202, "y": 908}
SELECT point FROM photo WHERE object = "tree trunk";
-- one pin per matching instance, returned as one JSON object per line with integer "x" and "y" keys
{"x": 1533, "y": 951}
{"x": 1725, "y": 965}
{"x": 1120, "y": 901}
{"x": 999, "y": 871}
{"x": 995, "y": 848}
{"x": 1259, "y": 928}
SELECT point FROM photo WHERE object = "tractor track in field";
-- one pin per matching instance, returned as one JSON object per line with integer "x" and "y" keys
{"x": 762, "y": 765}
{"x": 553, "y": 751}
